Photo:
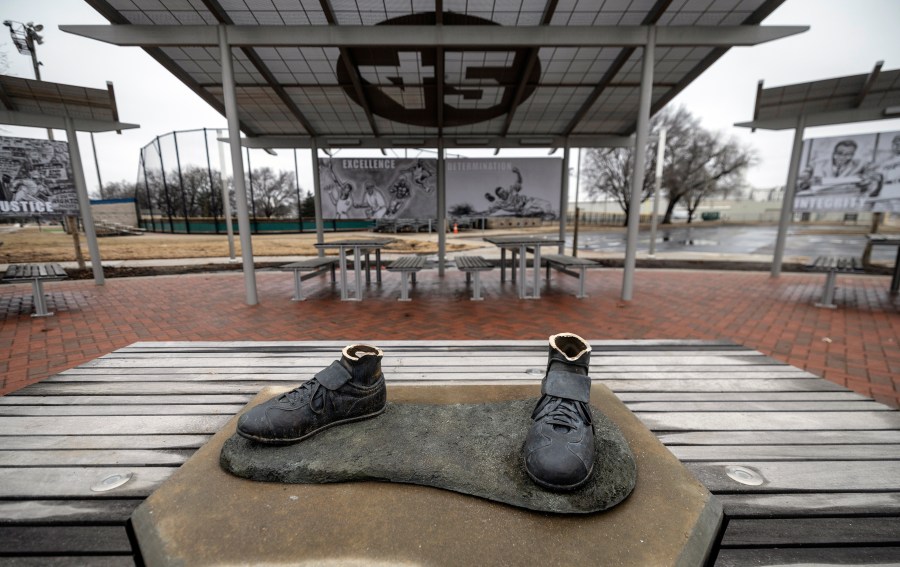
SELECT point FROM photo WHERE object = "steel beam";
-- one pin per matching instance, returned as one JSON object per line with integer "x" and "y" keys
{"x": 637, "y": 177}
{"x": 790, "y": 188}
{"x": 84, "y": 202}
{"x": 368, "y": 142}
{"x": 501, "y": 37}
{"x": 59, "y": 122}
{"x": 819, "y": 119}
{"x": 237, "y": 166}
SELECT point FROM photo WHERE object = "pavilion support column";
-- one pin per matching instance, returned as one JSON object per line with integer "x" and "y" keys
{"x": 84, "y": 203}
{"x": 564, "y": 199}
{"x": 237, "y": 167}
{"x": 787, "y": 206}
{"x": 317, "y": 195}
{"x": 226, "y": 199}
{"x": 640, "y": 158}
{"x": 442, "y": 208}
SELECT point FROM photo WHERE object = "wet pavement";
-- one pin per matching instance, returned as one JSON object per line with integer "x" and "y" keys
{"x": 757, "y": 240}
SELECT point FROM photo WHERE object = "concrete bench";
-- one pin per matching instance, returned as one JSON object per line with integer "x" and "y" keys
{"x": 407, "y": 265}
{"x": 568, "y": 265}
{"x": 473, "y": 265}
{"x": 831, "y": 265}
{"x": 313, "y": 267}
{"x": 36, "y": 274}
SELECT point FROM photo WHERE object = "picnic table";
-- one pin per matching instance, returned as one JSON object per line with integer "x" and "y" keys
{"x": 520, "y": 244}
{"x": 807, "y": 471}
{"x": 37, "y": 274}
{"x": 359, "y": 247}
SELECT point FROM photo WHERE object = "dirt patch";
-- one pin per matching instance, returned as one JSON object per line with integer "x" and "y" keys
{"x": 31, "y": 245}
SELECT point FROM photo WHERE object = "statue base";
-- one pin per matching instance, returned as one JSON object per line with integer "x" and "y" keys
{"x": 205, "y": 516}
{"x": 474, "y": 449}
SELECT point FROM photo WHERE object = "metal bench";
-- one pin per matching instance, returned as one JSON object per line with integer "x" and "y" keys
{"x": 567, "y": 265}
{"x": 831, "y": 265}
{"x": 473, "y": 265}
{"x": 407, "y": 265}
{"x": 314, "y": 267}
{"x": 36, "y": 274}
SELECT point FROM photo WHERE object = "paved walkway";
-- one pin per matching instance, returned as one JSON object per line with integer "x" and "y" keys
{"x": 855, "y": 345}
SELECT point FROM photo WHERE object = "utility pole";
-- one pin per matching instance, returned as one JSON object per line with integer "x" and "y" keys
{"x": 26, "y": 39}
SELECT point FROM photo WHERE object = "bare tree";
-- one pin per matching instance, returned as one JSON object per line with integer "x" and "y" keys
{"x": 698, "y": 164}
{"x": 274, "y": 194}
{"x": 119, "y": 190}
{"x": 608, "y": 171}
{"x": 709, "y": 165}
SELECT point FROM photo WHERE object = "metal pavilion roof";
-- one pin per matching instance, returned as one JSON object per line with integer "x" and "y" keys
{"x": 356, "y": 92}
{"x": 854, "y": 98}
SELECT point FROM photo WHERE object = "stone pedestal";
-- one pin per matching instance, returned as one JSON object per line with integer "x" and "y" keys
{"x": 205, "y": 516}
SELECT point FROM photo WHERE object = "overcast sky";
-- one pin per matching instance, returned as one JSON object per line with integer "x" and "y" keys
{"x": 845, "y": 38}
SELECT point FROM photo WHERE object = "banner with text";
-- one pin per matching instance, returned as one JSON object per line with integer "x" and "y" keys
{"x": 376, "y": 188}
{"x": 35, "y": 178}
{"x": 850, "y": 173}
{"x": 516, "y": 187}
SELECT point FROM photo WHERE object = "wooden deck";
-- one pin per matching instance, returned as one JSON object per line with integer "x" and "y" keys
{"x": 828, "y": 459}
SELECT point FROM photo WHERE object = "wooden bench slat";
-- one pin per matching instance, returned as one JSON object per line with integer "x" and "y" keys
{"x": 71, "y": 511}
{"x": 813, "y": 504}
{"x": 797, "y": 476}
{"x": 749, "y": 453}
{"x": 96, "y": 458}
{"x": 811, "y": 531}
{"x": 852, "y": 555}
{"x": 64, "y": 539}
{"x": 69, "y": 442}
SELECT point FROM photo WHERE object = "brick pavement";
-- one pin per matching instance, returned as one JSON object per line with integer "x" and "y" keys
{"x": 855, "y": 345}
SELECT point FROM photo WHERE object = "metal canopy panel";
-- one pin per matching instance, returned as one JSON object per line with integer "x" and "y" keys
{"x": 867, "y": 95}
{"x": 53, "y": 99}
{"x": 380, "y": 91}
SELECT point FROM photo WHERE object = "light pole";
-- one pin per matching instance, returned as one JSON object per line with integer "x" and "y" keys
{"x": 26, "y": 39}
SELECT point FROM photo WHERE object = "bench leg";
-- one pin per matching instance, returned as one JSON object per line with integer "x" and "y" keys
{"x": 476, "y": 291}
{"x": 414, "y": 281}
{"x": 895, "y": 278}
{"x": 502, "y": 264}
{"x": 536, "y": 283}
{"x": 404, "y": 286}
{"x": 378, "y": 265}
{"x": 468, "y": 278}
{"x": 40, "y": 304}
{"x": 298, "y": 290}
{"x": 523, "y": 263}
{"x": 368, "y": 270}
{"x": 343, "y": 262}
{"x": 581, "y": 294}
{"x": 332, "y": 273}
{"x": 828, "y": 296}
{"x": 356, "y": 273}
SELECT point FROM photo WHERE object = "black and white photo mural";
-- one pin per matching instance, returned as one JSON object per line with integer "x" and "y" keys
{"x": 394, "y": 188}
{"x": 491, "y": 187}
{"x": 378, "y": 188}
{"x": 850, "y": 173}
{"x": 35, "y": 178}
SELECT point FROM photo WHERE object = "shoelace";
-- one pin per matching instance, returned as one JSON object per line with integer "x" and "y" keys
{"x": 563, "y": 412}
{"x": 306, "y": 391}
